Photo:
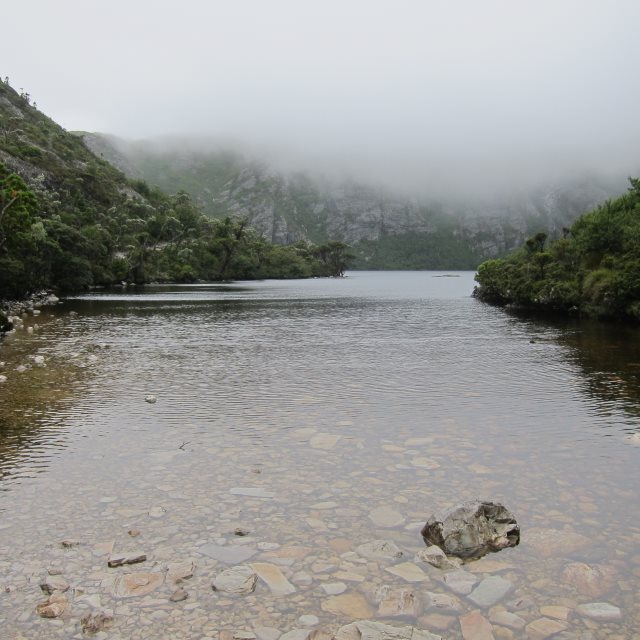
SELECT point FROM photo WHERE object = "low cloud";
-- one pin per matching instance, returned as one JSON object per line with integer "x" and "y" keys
{"x": 420, "y": 95}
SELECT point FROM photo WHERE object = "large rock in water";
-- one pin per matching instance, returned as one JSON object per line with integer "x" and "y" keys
{"x": 472, "y": 529}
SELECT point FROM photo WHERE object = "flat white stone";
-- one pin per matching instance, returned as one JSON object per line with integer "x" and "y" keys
{"x": 460, "y": 582}
{"x": 436, "y": 557}
{"x": 370, "y": 630}
{"x": 334, "y": 588}
{"x": 379, "y": 550}
{"x": 408, "y": 571}
{"x": 386, "y": 517}
{"x": 442, "y": 602}
{"x": 490, "y": 591}
{"x": 508, "y": 619}
{"x": 228, "y": 554}
{"x": 179, "y": 571}
{"x": 599, "y": 611}
{"x": 240, "y": 579}
{"x": 136, "y": 584}
{"x": 274, "y": 578}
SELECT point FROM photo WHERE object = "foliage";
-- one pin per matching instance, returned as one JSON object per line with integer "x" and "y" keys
{"x": 69, "y": 220}
{"x": 594, "y": 270}
{"x": 440, "y": 249}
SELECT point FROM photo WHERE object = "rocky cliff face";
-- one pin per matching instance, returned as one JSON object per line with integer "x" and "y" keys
{"x": 286, "y": 208}
{"x": 289, "y": 208}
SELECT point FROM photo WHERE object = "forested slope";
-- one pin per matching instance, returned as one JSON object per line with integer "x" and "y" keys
{"x": 69, "y": 220}
{"x": 594, "y": 270}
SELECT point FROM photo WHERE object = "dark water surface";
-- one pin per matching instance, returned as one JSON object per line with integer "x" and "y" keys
{"x": 392, "y": 393}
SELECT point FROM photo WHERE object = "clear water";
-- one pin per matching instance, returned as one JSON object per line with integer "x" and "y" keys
{"x": 431, "y": 396}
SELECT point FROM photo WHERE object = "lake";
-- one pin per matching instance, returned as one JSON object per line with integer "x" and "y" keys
{"x": 296, "y": 421}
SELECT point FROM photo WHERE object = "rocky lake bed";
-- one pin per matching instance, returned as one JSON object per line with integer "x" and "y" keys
{"x": 278, "y": 493}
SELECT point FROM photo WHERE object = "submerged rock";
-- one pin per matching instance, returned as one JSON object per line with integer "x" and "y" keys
{"x": 53, "y": 607}
{"x": 379, "y": 550}
{"x": 240, "y": 579}
{"x": 490, "y": 591}
{"x": 128, "y": 558}
{"x": 179, "y": 571}
{"x": 96, "y": 622}
{"x": 408, "y": 571}
{"x": 136, "y": 584}
{"x": 369, "y": 630}
{"x": 396, "y": 602}
{"x": 353, "y": 605}
{"x": 436, "y": 557}
{"x": 69, "y": 543}
{"x": 386, "y": 517}
{"x": 543, "y": 628}
{"x": 472, "y": 529}
{"x": 334, "y": 588}
{"x": 602, "y": 611}
{"x": 324, "y": 441}
{"x": 475, "y": 626}
{"x": 460, "y": 581}
{"x": 51, "y": 584}
{"x": 274, "y": 578}
{"x": 556, "y": 542}
{"x": 590, "y": 580}
{"x": 178, "y": 595}
{"x": 508, "y": 619}
{"x": 151, "y": 399}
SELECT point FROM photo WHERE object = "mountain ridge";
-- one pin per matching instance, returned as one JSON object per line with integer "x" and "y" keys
{"x": 286, "y": 207}
{"x": 70, "y": 220}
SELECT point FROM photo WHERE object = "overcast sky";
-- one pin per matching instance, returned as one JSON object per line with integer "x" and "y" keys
{"x": 403, "y": 85}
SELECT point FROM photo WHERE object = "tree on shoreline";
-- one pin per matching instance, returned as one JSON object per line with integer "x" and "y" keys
{"x": 594, "y": 270}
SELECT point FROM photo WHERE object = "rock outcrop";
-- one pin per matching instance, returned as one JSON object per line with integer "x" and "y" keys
{"x": 472, "y": 529}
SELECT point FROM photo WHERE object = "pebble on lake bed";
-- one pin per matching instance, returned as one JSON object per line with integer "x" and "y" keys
{"x": 331, "y": 526}
{"x": 96, "y": 622}
{"x": 53, "y": 607}
{"x": 151, "y": 399}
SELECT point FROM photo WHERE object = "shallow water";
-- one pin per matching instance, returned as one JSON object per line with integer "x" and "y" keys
{"x": 336, "y": 398}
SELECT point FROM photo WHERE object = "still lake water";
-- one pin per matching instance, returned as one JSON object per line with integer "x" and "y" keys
{"x": 352, "y": 409}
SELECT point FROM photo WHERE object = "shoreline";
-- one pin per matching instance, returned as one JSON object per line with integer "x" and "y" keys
{"x": 14, "y": 312}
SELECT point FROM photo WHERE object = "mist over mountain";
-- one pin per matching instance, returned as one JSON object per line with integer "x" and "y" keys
{"x": 389, "y": 227}
{"x": 457, "y": 126}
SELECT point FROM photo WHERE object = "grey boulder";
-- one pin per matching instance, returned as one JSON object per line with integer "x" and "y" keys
{"x": 472, "y": 529}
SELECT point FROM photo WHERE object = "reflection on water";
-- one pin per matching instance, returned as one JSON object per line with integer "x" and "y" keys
{"x": 391, "y": 393}
{"x": 34, "y": 403}
{"x": 610, "y": 360}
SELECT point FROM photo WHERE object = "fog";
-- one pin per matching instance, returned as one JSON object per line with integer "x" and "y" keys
{"x": 416, "y": 94}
